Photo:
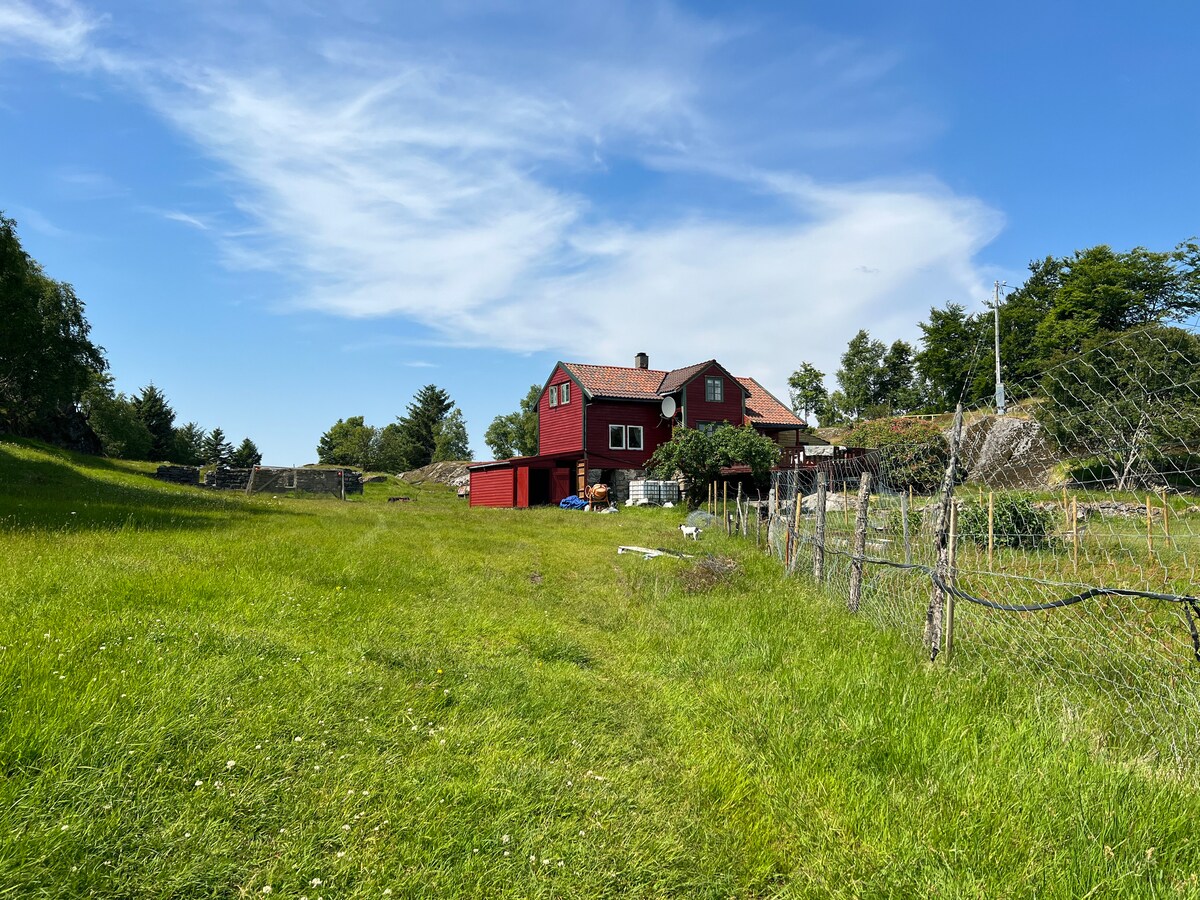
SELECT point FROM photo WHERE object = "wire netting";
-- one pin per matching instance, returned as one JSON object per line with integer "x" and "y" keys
{"x": 1071, "y": 528}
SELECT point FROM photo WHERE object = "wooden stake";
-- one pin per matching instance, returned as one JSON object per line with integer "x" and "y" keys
{"x": 1075, "y": 535}
{"x": 725, "y": 506}
{"x": 991, "y": 529}
{"x": 860, "y": 543}
{"x": 1149, "y": 526}
{"x": 758, "y": 522}
{"x": 794, "y": 529}
{"x": 819, "y": 538}
{"x": 951, "y": 560}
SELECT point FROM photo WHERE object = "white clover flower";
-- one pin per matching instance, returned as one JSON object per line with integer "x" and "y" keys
{"x": 229, "y": 764}
{"x": 199, "y": 782}
{"x": 506, "y": 839}
{"x": 316, "y": 882}
{"x": 266, "y": 889}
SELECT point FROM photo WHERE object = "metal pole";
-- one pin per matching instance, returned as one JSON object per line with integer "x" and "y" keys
{"x": 999, "y": 383}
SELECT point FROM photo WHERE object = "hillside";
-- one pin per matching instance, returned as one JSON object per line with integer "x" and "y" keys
{"x": 210, "y": 695}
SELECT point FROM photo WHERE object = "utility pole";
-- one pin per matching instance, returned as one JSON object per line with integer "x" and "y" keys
{"x": 999, "y": 383}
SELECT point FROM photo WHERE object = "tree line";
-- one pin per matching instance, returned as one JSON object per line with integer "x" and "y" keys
{"x": 431, "y": 430}
{"x": 1067, "y": 306}
{"x": 55, "y": 384}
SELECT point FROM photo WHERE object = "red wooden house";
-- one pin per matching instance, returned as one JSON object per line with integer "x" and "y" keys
{"x": 602, "y": 423}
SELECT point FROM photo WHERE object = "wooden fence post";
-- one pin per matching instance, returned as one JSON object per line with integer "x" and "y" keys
{"x": 794, "y": 529}
{"x": 937, "y": 597}
{"x": 991, "y": 529}
{"x": 860, "y": 543}
{"x": 953, "y": 558}
{"x": 758, "y": 522}
{"x": 1075, "y": 535}
{"x": 819, "y": 537}
{"x": 1149, "y": 526}
{"x": 725, "y": 506}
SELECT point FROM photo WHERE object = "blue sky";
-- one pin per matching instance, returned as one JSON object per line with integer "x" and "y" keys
{"x": 283, "y": 213}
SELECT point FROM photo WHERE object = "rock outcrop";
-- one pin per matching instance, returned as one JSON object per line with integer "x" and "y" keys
{"x": 1007, "y": 452}
{"x": 452, "y": 473}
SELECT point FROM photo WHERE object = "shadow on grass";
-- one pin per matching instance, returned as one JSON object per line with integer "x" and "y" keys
{"x": 54, "y": 495}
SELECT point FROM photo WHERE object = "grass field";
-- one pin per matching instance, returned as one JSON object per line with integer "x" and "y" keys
{"x": 212, "y": 696}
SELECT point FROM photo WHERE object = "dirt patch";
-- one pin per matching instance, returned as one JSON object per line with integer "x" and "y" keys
{"x": 708, "y": 573}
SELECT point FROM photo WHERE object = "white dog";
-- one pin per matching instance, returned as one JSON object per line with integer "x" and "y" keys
{"x": 692, "y": 531}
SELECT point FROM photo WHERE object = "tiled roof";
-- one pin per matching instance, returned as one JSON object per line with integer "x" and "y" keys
{"x": 677, "y": 378}
{"x": 762, "y": 408}
{"x": 617, "y": 381}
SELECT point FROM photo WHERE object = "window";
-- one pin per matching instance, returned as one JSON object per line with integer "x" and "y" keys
{"x": 564, "y": 394}
{"x": 624, "y": 437}
{"x": 706, "y": 427}
{"x": 714, "y": 390}
{"x": 554, "y": 395}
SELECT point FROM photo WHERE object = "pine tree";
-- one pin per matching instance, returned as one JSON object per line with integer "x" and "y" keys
{"x": 246, "y": 455}
{"x": 216, "y": 450}
{"x": 418, "y": 427}
{"x": 189, "y": 445}
{"x": 158, "y": 417}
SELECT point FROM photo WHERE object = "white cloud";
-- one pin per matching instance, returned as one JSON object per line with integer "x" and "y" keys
{"x": 448, "y": 191}
{"x": 57, "y": 29}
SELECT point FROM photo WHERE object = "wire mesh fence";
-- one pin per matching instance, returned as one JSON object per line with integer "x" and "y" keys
{"x": 1062, "y": 541}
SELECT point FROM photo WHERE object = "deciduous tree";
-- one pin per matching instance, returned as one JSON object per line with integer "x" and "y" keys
{"x": 516, "y": 434}
{"x": 450, "y": 438}
{"x": 806, "y": 386}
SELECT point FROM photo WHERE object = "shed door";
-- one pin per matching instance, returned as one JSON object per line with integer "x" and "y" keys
{"x": 560, "y": 484}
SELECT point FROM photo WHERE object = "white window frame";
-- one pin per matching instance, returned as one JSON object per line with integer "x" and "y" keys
{"x": 629, "y": 430}
{"x": 616, "y": 430}
{"x": 554, "y": 395}
{"x": 564, "y": 394}
{"x": 714, "y": 385}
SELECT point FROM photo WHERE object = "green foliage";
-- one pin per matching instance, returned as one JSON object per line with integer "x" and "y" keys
{"x": 419, "y": 425}
{"x": 912, "y": 453}
{"x": 806, "y": 387}
{"x": 700, "y": 455}
{"x": 1016, "y": 524}
{"x": 950, "y": 341}
{"x": 450, "y": 438}
{"x": 47, "y": 359}
{"x": 189, "y": 445}
{"x": 859, "y": 375}
{"x": 158, "y": 417}
{"x": 216, "y": 450}
{"x": 246, "y": 455}
{"x": 516, "y": 434}
{"x": 1128, "y": 402}
{"x": 114, "y": 419}
{"x": 389, "y": 452}
{"x": 895, "y": 521}
{"x": 350, "y": 442}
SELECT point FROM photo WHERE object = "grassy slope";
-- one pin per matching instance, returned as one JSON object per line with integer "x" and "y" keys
{"x": 202, "y": 695}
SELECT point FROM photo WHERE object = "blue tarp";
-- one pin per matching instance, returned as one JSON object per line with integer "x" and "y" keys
{"x": 573, "y": 503}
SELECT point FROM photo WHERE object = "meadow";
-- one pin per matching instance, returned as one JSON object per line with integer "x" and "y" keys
{"x": 209, "y": 695}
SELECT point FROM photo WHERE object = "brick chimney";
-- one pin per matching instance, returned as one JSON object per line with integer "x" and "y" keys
{"x": 641, "y": 361}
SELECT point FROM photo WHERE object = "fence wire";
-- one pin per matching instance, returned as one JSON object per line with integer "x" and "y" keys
{"x": 1076, "y": 534}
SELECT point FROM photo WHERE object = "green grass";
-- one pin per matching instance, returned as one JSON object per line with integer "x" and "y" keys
{"x": 202, "y": 695}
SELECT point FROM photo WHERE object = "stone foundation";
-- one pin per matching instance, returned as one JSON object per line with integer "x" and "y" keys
{"x": 617, "y": 481}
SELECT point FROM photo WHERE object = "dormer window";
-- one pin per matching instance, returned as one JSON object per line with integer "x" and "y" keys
{"x": 554, "y": 395}
{"x": 564, "y": 394}
{"x": 714, "y": 390}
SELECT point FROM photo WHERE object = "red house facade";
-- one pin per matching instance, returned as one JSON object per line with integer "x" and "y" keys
{"x": 602, "y": 423}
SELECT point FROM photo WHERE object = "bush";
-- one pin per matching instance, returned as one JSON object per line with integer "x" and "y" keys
{"x": 1017, "y": 523}
{"x": 912, "y": 453}
{"x": 895, "y": 520}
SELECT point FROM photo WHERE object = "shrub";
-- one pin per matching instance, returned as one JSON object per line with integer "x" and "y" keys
{"x": 1017, "y": 523}
{"x": 912, "y": 453}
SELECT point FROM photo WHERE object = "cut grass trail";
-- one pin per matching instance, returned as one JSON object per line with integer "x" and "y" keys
{"x": 205, "y": 695}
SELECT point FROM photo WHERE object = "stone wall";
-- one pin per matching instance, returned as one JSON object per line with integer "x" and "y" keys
{"x": 618, "y": 481}
{"x": 189, "y": 475}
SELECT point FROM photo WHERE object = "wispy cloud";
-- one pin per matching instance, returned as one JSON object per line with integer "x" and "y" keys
{"x": 56, "y": 29}
{"x": 472, "y": 191}
{"x": 176, "y": 216}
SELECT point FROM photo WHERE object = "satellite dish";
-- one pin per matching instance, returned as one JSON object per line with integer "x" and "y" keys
{"x": 668, "y": 407}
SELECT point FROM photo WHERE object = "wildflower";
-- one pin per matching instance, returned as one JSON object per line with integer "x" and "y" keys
{"x": 506, "y": 839}
{"x": 316, "y": 882}
{"x": 345, "y": 828}
{"x": 341, "y": 853}
{"x": 266, "y": 889}
{"x": 506, "y": 853}
{"x": 230, "y": 764}
{"x": 199, "y": 782}
{"x": 297, "y": 739}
